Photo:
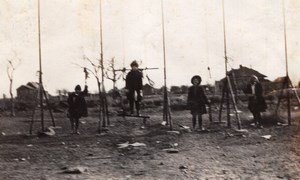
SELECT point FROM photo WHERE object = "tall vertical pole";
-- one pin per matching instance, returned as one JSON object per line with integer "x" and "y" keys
{"x": 166, "y": 110}
{"x": 123, "y": 39}
{"x": 285, "y": 41}
{"x": 226, "y": 69}
{"x": 101, "y": 64}
{"x": 40, "y": 71}
{"x": 101, "y": 45}
{"x": 164, "y": 44}
{"x": 224, "y": 34}
{"x": 287, "y": 78}
{"x": 103, "y": 99}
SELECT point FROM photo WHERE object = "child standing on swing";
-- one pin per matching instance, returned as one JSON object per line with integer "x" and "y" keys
{"x": 134, "y": 87}
{"x": 197, "y": 101}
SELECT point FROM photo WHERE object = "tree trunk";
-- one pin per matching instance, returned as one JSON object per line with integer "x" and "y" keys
{"x": 103, "y": 109}
{"x": 12, "y": 103}
{"x": 100, "y": 110}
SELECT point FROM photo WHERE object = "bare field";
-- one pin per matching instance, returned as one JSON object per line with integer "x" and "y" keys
{"x": 220, "y": 153}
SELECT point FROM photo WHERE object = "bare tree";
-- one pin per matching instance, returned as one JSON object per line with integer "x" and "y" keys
{"x": 97, "y": 71}
{"x": 113, "y": 77}
{"x": 62, "y": 92}
{"x": 58, "y": 91}
{"x": 11, "y": 67}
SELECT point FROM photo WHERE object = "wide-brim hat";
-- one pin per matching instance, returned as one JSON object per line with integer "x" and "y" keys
{"x": 196, "y": 77}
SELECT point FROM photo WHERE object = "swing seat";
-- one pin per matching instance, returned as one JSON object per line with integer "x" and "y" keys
{"x": 145, "y": 118}
{"x": 136, "y": 116}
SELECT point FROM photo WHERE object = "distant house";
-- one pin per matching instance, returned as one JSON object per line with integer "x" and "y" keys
{"x": 278, "y": 82}
{"x": 276, "y": 85}
{"x": 3, "y": 103}
{"x": 175, "y": 90}
{"x": 28, "y": 92}
{"x": 239, "y": 78}
{"x": 149, "y": 90}
{"x": 184, "y": 89}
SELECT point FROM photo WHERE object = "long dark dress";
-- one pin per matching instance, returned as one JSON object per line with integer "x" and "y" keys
{"x": 77, "y": 104}
{"x": 257, "y": 102}
{"x": 197, "y": 100}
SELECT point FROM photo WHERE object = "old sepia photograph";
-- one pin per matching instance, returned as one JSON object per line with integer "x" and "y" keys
{"x": 149, "y": 89}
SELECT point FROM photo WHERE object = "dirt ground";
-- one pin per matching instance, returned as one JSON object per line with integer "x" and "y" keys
{"x": 220, "y": 153}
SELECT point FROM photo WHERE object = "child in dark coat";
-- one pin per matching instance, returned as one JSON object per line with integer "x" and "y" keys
{"x": 257, "y": 103}
{"x": 134, "y": 87}
{"x": 77, "y": 107}
{"x": 196, "y": 101}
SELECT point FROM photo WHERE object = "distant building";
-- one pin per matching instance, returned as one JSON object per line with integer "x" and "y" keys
{"x": 184, "y": 89}
{"x": 276, "y": 85}
{"x": 28, "y": 92}
{"x": 149, "y": 90}
{"x": 278, "y": 82}
{"x": 239, "y": 78}
{"x": 175, "y": 90}
{"x": 3, "y": 103}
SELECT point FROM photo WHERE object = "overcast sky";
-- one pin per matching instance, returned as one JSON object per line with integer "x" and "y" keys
{"x": 132, "y": 30}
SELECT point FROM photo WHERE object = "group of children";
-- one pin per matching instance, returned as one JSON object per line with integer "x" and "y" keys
{"x": 134, "y": 93}
{"x": 196, "y": 100}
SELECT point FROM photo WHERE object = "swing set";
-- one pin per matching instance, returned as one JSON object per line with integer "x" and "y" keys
{"x": 227, "y": 91}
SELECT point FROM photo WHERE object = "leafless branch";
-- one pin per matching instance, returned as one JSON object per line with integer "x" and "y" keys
{"x": 92, "y": 72}
{"x": 89, "y": 60}
{"x": 107, "y": 76}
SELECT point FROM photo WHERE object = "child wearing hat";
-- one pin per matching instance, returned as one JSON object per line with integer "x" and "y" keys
{"x": 196, "y": 101}
{"x": 77, "y": 107}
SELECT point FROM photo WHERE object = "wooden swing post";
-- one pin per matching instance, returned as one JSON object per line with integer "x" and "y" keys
{"x": 166, "y": 106}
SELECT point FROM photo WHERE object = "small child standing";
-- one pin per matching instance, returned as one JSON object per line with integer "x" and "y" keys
{"x": 196, "y": 101}
{"x": 77, "y": 107}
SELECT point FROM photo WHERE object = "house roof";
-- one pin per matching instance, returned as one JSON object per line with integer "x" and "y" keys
{"x": 30, "y": 85}
{"x": 25, "y": 87}
{"x": 34, "y": 85}
{"x": 279, "y": 79}
{"x": 148, "y": 85}
{"x": 245, "y": 72}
